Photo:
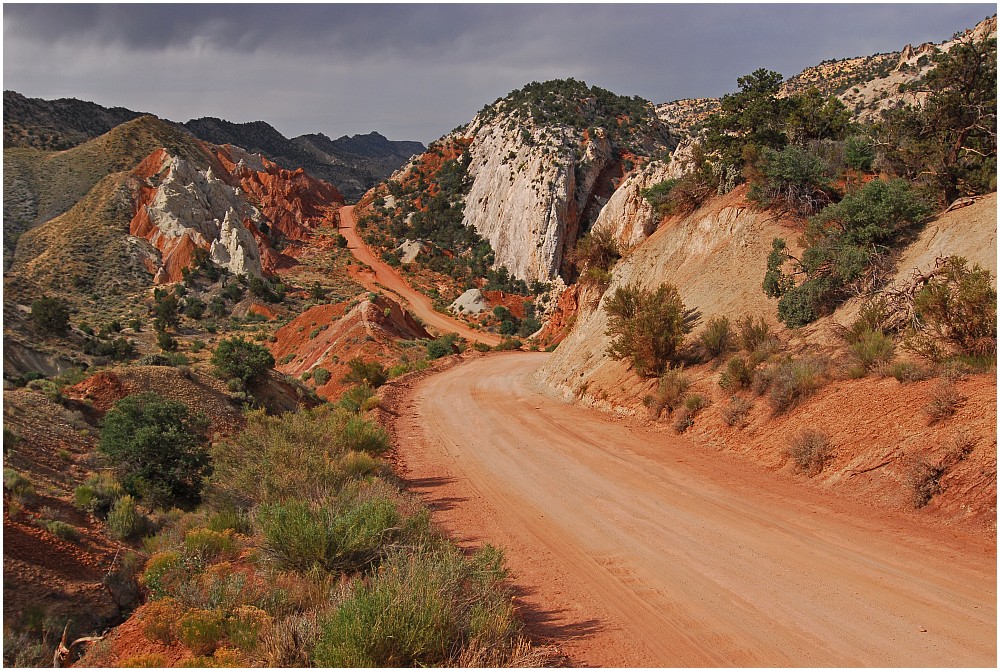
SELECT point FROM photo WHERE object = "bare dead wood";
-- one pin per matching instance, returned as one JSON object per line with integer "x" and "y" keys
{"x": 888, "y": 461}
{"x": 64, "y": 653}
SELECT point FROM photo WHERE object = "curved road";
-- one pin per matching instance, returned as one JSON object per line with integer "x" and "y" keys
{"x": 634, "y": 547}
{"x": 387, "y": 278}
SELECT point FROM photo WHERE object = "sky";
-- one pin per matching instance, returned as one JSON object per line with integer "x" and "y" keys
{"x": 414, "y": 72}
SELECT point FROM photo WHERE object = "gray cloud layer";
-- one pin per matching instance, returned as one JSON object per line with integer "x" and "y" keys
{"x": 415, "y": 71}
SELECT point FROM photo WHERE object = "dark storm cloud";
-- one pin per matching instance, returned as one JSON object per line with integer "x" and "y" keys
{"x": 415, "y": 71}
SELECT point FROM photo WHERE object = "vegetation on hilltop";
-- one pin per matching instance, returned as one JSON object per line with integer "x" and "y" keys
{"x": 631, "y": 123}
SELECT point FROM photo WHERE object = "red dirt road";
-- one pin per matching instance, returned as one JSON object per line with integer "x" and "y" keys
{"x": 386, "y": 277}
{"x": 633, "y": 547}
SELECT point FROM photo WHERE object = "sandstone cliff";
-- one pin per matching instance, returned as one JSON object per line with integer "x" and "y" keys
{"x": 528, "y": 174}
{"x": 717, "y": 259}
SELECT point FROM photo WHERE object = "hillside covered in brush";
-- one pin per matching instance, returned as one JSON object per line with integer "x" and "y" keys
{"x": 353, "y": 163}
{"x": 499, "y": 204}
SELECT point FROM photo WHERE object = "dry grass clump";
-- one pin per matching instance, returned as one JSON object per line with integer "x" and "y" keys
{"x": 943, "y": 401}
{"x": 669, "y": 393}
{"x": 735, "y": 412}
{"x": 810, "y": 450}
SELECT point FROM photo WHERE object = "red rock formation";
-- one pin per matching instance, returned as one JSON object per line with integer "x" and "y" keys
{"x": 292, "y": 201}
{"x": 562, "y": 319}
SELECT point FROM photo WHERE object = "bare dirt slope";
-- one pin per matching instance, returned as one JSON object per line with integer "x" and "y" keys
{"x": 640, "y": 548}
{"x": 384, "y": 276}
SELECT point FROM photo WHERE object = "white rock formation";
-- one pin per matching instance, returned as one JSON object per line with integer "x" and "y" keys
{"x": 471, "y": 302}
{"x": 197, "y": 204}
{"x": 235, "y": 249}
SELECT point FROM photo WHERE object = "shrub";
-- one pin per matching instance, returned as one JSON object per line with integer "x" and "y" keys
{"x": 736, "y": 411}
{"x": 648, "y": 327}
{"x": 958, "y": 308}
{"x": 206, "y": 545}
{"x": 717, "y": 337}
{"x": 859, "y": 152}
{"x": 201, "y": 630}
{"x": 362, "y": 435}
{"x": 165, "y": 341}
{"x": 442, "y": 346}
{"x": 924, "y": 480}
{"x": 508, "y": 345}
{"x": 371, "y": 373}
{"x": 794, "y": 175}
{"x": 907, "y": 371}
{"x": 97, "y": 494}
{"x": 739, "y": 374}
{"x": 321, "y": 376}
{"x": 150, "y": 661}
{"x": 159, "y": 620}
{"x": 125, "y": 521}
{"x": 229, "y": 518}
{"x": 430, "y": 609}
{"x": 67, "y": 532}
{"x": 684, "y": 420}
{"x": 944, "y": 400}
{"x": 347, "y": 534}
{"x": 597, "y": 250}
{"x": 16, "y": 483}
{"x": 50, "y": 315}
{"x": 810, "y": 450}
{"x": 355, "y": 398}
{"x": 873, "y": 348}
{"x": 843, "y": 245}
{"x": 669, "y": 393}
{"x": 239, "y": 358}
{"x": 162, "y": 573}
{"x": 794, "y": 380}
{"x": 157, "y": 447}
{"x": 754, "y": 335}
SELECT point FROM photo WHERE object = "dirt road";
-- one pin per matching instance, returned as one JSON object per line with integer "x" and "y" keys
{"x": 384, "y": 276}
{"x": 634, "y": 547}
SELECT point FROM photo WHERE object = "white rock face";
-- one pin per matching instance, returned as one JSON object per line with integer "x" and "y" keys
{"x": 205, "y": 209}
{"x": 471, "y": 302}
{"x": 236, "y": 249}
{"x": 628, "y": 216}
{"x": 411, "y": 250}
{"x": 520, "y": 201}
{"x": 530, "y": 190}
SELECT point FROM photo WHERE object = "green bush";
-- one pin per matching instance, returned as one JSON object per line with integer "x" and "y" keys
{"x": 843, "y": 245}
{"x": 957, "y": 312}
{"x": 50, "y": 315}
{"x": 239, "y": 358}
{"x": 321, "y": 376}
{"x": 371, "y": 373}
{"x": 739, "y": 374}
{"x": 67, "y": 532}
{"x": 431, "y": 609}
{"x": 125, "y": 522}
{"x": 157, "y": 446}
{"x": 349, "y": 533}
{"x": 97, "y": 494}
{"x": 648, "y": 327}
{"x": 207, "y": 545}
{"x": 16, "y": 483}
{"x": 872, "y": 349}
{"x": 362, "y": 435}
{"x": 717, "y": 338}
{"x": 442, "y": 346}
{"x": 796, "y": 176}
{"x": 355, "y": 398}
